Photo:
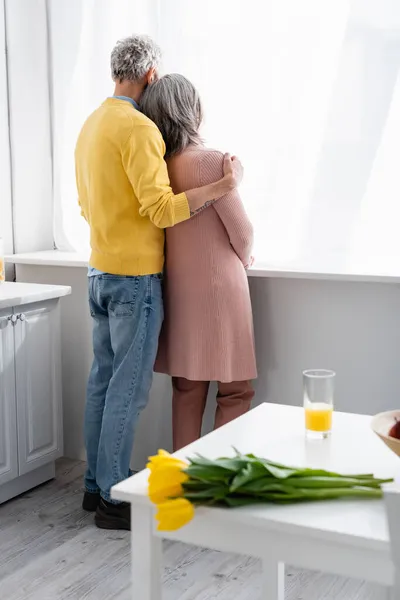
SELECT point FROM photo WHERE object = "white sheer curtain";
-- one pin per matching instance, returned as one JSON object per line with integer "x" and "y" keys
{"x": 5, "y": 170}
{"x": 265, "y": 71}
{"x": 82, "y": 37}
{"x": 304, "y": 92}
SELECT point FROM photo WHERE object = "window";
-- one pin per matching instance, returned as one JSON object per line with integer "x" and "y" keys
{"x": 82, "y": 35}
{"x": 5, "y": 174}
{"x": 306, "y": 93}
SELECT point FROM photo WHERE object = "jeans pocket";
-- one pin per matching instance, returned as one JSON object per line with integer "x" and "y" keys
{"x": 122, "y": 309}
{"x": 123, "y": 296}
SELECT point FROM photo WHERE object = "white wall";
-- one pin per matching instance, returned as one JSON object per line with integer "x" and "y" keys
{"x": 353, "y": 328}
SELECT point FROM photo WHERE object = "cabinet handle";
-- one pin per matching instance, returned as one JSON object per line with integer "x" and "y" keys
{"x": 4, "y": 323}
{"x": 21, "y": 317}
{"x": 13, "y": 319}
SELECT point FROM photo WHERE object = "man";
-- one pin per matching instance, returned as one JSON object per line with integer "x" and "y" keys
{"x": 125, "y": 196}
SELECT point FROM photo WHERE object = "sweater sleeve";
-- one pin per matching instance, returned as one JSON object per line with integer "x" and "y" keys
{"x": 229, "y": 208}
{"x": 81, "y": 209}
{"x": 143, "y": 160}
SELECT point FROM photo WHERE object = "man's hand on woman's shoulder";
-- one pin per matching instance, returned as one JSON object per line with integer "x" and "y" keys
{"x": 233, "y": 170}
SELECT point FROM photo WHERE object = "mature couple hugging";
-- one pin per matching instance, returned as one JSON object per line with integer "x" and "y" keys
{"x": 146, "y": 182}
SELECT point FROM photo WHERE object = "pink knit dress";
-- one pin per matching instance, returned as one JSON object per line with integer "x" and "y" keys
{"x": 207, "y": 333}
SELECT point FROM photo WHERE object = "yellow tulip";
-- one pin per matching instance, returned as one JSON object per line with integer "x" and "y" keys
{"x": 174, "y": 514}
{"x": 166, "y": 477}
{"x": 163, "y": 458}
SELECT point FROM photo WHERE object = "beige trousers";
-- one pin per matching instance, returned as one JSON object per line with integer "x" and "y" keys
{"x": 189, "y": 401}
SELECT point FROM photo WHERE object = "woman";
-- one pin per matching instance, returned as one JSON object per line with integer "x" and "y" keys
{"x": 208, "y": 328}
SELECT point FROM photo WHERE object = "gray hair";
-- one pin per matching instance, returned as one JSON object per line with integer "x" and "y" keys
{"x": 133, "y": 57}
{"x": 173, "y": 103}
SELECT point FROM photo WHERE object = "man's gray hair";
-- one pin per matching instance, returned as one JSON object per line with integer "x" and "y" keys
{"x": 173, "y": 103}
{"x": 133, "y": 57}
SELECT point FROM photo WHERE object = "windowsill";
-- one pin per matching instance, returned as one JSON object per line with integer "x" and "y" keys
{"x": 56, "y": 258}
{"x": 49, "y": 258}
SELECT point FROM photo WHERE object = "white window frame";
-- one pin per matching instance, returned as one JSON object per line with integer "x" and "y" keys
{"x": 6, "y": 223}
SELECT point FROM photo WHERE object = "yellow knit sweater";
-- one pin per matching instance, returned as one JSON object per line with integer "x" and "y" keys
{"x": 124, "y": 190}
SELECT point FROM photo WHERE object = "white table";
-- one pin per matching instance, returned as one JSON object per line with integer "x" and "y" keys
{"x": 348, "y": 538}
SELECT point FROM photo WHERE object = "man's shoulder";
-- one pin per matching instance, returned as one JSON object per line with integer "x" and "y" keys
{"x": 129, "y": 115}
{"x": 127, "y": 118}
{"x": 116, "y": 122}
{"x": 141, "y": 119}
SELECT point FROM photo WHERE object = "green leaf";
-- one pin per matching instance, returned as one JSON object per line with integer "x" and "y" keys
{"x": 229, "y": 464}
{"x": 251, "y": 472}
{"x": 298, "y": 495}
{"x": 323, "y": 473}
{"x": 300, "y": 472}
{"x": 237, "y": 501}
{"x": 212, "y": 493}
{"x": 332, "y": 482}
{"x": 196, "y": 484}
{"x": 274, "y": 469}
{"x": 259, "y": 486}
{"x": 208, "y": 473}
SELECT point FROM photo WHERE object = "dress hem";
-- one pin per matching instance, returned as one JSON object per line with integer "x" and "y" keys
{"x": 191, "y": 377}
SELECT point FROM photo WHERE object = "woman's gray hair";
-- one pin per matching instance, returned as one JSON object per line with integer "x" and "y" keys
{"x": 173, "y": 103}
{"x": 133, "y": 57}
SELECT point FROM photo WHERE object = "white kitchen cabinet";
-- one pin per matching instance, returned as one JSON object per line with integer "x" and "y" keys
{"x": 31, "y": 435}
{"x": 8, "y": 407}
{"x": 38, "y": 385}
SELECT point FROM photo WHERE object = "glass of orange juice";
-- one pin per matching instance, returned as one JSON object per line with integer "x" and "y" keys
{"x": 318, "y": 389}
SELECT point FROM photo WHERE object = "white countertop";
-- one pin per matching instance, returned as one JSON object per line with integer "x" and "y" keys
{"x": 334, "y": 270}
{"x": 15, "y": 294}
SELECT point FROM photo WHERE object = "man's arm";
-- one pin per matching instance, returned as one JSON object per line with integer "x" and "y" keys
{"x": 143, "y": 160}
{"x": 233, "y": 173}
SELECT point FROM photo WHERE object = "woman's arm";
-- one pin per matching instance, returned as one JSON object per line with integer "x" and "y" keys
{"x": 230, "y": 209}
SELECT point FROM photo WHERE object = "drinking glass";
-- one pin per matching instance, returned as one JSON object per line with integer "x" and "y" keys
{"x": 318, "y": 390}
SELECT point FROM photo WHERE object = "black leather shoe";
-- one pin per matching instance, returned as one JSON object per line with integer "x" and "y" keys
{"x": 113, "y": 516}
{"x": 90, "y": 501}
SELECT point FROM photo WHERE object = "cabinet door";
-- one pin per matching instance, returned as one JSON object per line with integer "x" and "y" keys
{"x": 38, "y": 385}
{"x": 8, "y": 416}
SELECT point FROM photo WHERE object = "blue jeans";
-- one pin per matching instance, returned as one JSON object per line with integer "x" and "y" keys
{"x": 127, "y": 315}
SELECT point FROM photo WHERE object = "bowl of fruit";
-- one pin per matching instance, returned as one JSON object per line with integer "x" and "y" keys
{"x": 387, "y": 426}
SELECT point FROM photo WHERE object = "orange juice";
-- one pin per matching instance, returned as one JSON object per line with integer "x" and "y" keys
{"x": 318, "y": 416}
